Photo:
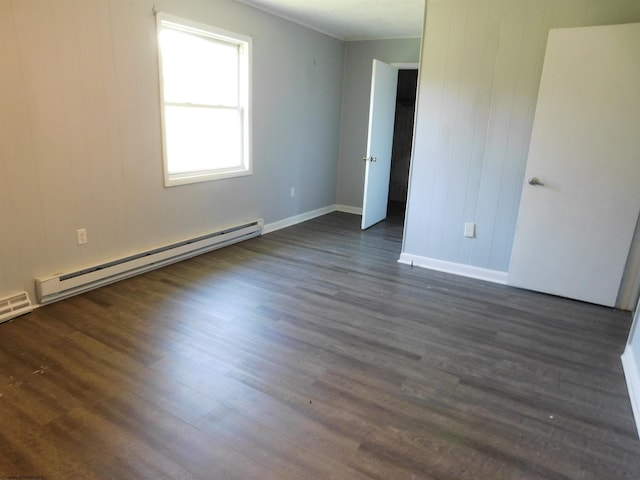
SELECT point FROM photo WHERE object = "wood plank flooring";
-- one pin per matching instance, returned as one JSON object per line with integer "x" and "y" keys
{"x": 310, "y": 353}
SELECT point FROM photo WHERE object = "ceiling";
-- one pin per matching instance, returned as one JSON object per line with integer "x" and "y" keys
{"x": 351, "y": 19}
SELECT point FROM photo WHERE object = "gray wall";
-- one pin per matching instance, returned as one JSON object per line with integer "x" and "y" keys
{"x": 480, "y": 72}
{"x": 80, "y": 132}
{"x": 359, "y": 57}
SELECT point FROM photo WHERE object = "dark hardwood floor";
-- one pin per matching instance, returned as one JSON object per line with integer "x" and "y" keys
{"x": 310, "y": 353}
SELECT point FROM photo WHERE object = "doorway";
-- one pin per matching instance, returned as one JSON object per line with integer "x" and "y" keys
{"x": 402, "y": 144}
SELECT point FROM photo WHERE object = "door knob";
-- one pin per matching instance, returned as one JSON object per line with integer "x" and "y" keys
{"x": 534, "y": 181}
{"x": 370, "y": 159}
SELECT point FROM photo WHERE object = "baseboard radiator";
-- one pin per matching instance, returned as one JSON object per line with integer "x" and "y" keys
{"x": 57, "y": 287}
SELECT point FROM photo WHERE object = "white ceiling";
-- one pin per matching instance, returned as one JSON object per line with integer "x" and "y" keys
{"x": 351, "y": 19}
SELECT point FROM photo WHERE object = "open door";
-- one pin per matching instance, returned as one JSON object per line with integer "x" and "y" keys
{"x": 581, "y": 194}
{"x": 382, "y": 109}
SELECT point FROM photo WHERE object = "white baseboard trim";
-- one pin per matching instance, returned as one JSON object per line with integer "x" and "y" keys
{"x": 632, "y": 376}
{"x": 303, "y": 217}
{"x": 462, "y": 269}
{"x": 349, "y": 209}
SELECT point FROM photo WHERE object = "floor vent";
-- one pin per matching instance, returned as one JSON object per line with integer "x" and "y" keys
{"x": 14, "y": 306}
{"x": 65, "y": 285}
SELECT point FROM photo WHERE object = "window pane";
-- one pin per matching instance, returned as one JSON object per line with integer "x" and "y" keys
{"x": 198, "y": 70}
{"x": 202, "y": 138}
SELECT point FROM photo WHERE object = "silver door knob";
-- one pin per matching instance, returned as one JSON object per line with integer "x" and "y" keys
{"x": 534, "y": 181}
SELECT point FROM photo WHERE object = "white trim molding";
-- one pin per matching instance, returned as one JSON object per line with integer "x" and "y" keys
{"x": 295, "y": 219}
{"x": 462, "y": 269}
{"x": 630, "y": 367}
{"x": 303, "y": 217}
{"x": 632, "y": 376}
{"x": 406, "y": 66}
{"x": 349, "y": 209}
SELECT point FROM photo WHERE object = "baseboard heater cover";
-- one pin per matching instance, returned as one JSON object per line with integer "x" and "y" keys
{"x": 64, "y": 285}
{"x": 14, "y": 306}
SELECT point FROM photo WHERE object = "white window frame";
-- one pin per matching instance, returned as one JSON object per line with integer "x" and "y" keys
{"x": 245, "y": 48}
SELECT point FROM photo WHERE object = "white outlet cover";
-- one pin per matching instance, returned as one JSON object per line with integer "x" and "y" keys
{"x": 470, "y": 230}
{"x": 81, "y": 235}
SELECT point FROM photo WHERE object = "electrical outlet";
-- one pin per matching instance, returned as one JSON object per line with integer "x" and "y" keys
{"x": 470, "y": 230}
{"x": 81, "y": 236}
{"x": 293, "y": 192}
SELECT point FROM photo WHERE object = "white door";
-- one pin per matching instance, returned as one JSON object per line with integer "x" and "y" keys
{"x": 574, "y": 232}
{"x": 382, "y": 112}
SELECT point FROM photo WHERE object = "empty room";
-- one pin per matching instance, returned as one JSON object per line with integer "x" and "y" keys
{"x": 320, "y": 239}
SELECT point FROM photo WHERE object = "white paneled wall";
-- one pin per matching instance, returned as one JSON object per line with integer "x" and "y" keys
{"x": 80, "y": 132}
{"x": 480, "y": 72}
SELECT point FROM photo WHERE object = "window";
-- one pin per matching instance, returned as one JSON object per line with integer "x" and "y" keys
{"x": 204, "y": 92}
